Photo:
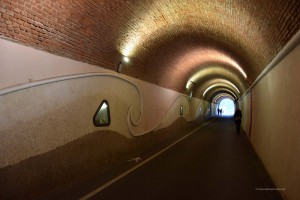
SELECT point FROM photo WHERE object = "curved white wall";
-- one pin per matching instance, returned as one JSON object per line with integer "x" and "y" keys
{"x": 275, "y": 123}
{"x": 44, "y": 117}
{"x": 21, "y": 64}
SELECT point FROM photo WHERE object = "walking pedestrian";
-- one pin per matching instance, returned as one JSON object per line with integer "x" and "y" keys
{"x": 238, "y": 120}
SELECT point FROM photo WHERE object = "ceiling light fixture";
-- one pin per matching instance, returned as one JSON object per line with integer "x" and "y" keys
{"x": 126, "y": 59}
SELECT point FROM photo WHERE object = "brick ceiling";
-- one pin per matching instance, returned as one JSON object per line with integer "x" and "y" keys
{"x": 169, "y": 42}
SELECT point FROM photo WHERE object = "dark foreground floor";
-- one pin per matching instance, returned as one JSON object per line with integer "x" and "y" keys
{"x": 212, "y": 163}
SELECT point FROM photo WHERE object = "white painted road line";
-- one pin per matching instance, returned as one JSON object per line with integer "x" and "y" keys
{"x": 99, "y": 189}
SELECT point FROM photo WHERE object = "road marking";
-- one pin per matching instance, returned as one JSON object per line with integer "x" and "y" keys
{"x": 99, "y": 189}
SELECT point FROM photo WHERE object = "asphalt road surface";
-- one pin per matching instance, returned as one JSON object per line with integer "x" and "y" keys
{"x": 212, "y": 163}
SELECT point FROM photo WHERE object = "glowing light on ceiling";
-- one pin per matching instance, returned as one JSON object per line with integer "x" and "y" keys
{"x": 231, "y": 92}
{"x": 223, "y": 96}
{"x": 126, "y": 59}
{"x": 187, "y": 86}
{"x": 128, "y": 45}
{"x": 221, "y": 84}
{"x": 210, "y": 87}
{"x": 235, "y": 65}
{"x": 227, "y": 82}
{"x": 201, "y": 57}
{"x": 189, "y": 83}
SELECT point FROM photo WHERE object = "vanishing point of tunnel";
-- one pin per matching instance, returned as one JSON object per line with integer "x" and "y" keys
{"x": 92, "y": 88}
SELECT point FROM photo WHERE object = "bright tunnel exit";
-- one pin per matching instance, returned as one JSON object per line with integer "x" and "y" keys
{"x": 227, "y": 106}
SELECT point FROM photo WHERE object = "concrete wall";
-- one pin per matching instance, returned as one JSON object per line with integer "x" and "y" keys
{"x": 275, "y": 131}
{"x": 46, "y": 120}
{"x": 20, "y": 64}
{"x": 245, "y": 106}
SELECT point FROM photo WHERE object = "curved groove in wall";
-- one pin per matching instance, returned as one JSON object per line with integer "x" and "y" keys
{"x": 17, "y": 88}
{"x": 70, "y": 77}
{"x": 155, "y": 127}
{"x": 198, "y": 108}
{"x": 130, "y": 121}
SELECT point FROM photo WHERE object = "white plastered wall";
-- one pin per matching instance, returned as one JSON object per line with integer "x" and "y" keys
{"x": 245, "y": 106}
{"x": 40, "y": 118}
{"x": 20, "y": 64}
{"x": 275, "y": 133}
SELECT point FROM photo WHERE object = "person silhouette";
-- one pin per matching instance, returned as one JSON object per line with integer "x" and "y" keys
{"x": 238, "y": 120}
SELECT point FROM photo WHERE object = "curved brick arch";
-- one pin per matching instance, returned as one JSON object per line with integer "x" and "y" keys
{"x": 252, "y": 32}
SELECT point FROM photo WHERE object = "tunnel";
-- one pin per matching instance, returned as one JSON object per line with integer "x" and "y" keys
{"x": 89, "y": 86}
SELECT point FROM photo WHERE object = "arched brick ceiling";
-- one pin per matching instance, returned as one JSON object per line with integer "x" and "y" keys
{"x": 211, "y": 94}
{"x": 174, "y": 39}
{"x": 219, "y": 97}
{"x": 169, "y": 42}
{"x": 213, "y": 84}
{"x": 211, "y": 74}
